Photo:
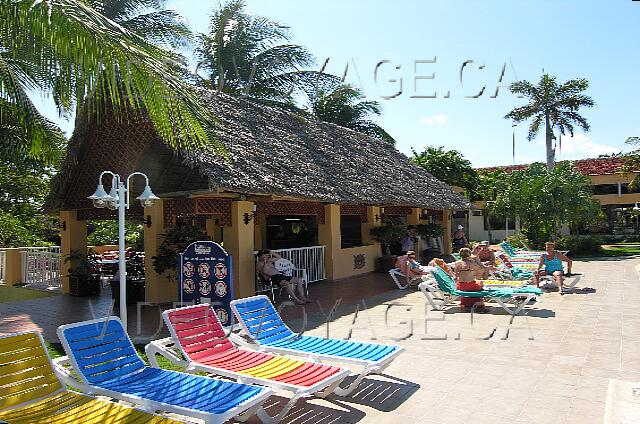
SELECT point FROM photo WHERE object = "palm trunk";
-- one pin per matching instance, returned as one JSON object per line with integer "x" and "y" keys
{"x": 549, "y": 139}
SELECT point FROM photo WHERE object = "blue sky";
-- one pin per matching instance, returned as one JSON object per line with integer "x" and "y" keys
{"x": 596, "y": 40}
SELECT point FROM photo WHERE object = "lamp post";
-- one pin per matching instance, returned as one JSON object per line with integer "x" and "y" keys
{"x": 118, "y": 198}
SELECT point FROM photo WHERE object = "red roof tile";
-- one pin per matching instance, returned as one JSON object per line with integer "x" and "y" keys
{"x": 594, "y": 166}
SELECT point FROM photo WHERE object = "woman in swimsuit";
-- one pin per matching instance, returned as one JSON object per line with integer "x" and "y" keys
{"x": 466, "y": 270}
{"x": 552, "y": 262}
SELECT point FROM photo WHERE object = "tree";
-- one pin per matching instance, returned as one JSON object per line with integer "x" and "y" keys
{"x": 23, "y": 187}
{"x": 632, "y": 162}
{"x": 545, "y": 200}
{"x": 71, "y": 52}
{"x": 555, "y": 105}
{"x": 147, "y": 18}
{"x": 252, "y": 55}
{"x": 344, "y": 106}
{"x": 448, "y": 166}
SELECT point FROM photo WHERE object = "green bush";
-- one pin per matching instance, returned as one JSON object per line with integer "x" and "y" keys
{"x": 580, "y": 245}
{"x": 519, "y": 240}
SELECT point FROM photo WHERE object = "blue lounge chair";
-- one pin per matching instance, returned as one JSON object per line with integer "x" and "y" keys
{"x": 260, "y": 321}
{"x": 105, "y": 359}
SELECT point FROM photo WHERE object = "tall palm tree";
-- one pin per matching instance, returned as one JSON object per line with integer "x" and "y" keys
{"x": 252, "y": 55}
{"x": 554, "y": 104}
{"x": 344, "y": 106}
{"x": 147, "y": 18}
{"x": 71, "y": 52}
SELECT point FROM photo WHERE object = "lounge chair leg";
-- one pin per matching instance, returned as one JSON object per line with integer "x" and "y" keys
{"x": 328, "y": 390}
{"x": 355, "y": 383}
{"x": 266, "y": 418}
{"x": 249, "y": 413}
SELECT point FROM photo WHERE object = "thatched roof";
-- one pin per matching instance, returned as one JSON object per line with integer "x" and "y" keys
{"x": 271, "y": 151}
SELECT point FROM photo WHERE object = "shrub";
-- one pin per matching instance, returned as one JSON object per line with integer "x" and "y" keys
{"x": 580, "y": 245}
{"x": 518, "y": 240}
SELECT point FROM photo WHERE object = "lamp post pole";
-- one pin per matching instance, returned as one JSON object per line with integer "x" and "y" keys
{"x": 118, "y": 198}
{"x": 122, "y": 264}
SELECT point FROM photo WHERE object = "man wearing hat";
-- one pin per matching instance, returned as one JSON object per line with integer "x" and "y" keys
{"x": 485, "y": 254}
{"x": 459, "y": 239}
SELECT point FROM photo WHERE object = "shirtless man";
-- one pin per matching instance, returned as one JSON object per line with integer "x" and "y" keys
{"x": 267, "y": 269}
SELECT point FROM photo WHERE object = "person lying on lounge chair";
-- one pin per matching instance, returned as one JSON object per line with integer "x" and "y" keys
{"x": 267, "y": 269}
{"x": 552, "y": 262}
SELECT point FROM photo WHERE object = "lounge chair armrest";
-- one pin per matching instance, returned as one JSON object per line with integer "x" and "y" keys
{"x": 238, "y": 340}
{"x": 166, "y": 348}
{"x": 62, "y": 368}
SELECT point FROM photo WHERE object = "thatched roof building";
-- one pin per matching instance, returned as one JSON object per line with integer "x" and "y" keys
{"x": 270, "y": 152}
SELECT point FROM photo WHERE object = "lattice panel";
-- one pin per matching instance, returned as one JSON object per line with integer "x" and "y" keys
{"x": 173, "y": 208}
{"x": 292, "y": 208}
{"x": 112, "y": 146}
{"x": 135, "y": 213}
{"x": 359, "y": 210}
{"x": 397, "y": 210}
{"x": 189, "y": 208}
{"x": 221, "y": 208}
{"x": 432, "y": 212}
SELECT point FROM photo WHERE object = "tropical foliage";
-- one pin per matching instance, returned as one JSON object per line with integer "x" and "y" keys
{"x": 632, "y": 162}
{"x": 73, "y": 53}
{"x": 448, "y": 166}
{"x": 553, "y": 105}
{"x": 23, "y": 187}
{"x": 546, "y": 200}
{"x": 345, "y": 106}
{"x": 252, "y": 55}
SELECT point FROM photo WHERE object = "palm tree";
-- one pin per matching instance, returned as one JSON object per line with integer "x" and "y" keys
{"x": 71, "y": 52}
{"x": 555, "y": 105}
{"x": 252, "y": 55}
{"x": 147, "y": 18}
{"x": 344, "y": 106}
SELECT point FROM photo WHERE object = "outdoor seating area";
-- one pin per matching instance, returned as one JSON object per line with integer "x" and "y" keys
{"x": 555, "y": 336}
{"x": 256, "y": 211}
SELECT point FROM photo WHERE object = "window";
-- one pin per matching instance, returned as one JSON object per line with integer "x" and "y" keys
{"x": 350, "y": 231}
{"x": 498, "y": 222}
{"x": 286, "y": 232}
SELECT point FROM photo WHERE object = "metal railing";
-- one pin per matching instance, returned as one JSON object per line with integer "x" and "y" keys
{"x": 3, "y": 265}
{"x": 309, "y": 258}
{"x": 41, "y": 267}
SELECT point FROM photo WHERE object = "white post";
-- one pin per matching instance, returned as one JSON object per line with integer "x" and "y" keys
{"x": 506, "y": 228}
{"x": 122, "y": 266}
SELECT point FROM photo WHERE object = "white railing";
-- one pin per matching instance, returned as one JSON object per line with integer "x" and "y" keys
{"x": 3, "y": 265}
{"x": 309, "y": 258}
{"x": 41, "y": 267}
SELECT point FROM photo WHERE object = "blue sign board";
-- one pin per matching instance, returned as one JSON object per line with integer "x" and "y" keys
{"x": 204, "y": 276}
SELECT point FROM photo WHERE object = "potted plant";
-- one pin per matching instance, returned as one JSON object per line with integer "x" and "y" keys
{"x": 428, "y": 231}
{"x": 84, "y": 278}
{"x": 391, "y": 232}
{"x": 175, "y": 241}
{"x": 135, "y": 279}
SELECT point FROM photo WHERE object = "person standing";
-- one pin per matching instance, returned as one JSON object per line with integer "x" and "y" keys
{"x": 459, "y": 238}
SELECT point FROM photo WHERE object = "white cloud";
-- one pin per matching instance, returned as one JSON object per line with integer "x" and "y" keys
{"x": 580, "y": 146}
{"x": 439, "y": 119}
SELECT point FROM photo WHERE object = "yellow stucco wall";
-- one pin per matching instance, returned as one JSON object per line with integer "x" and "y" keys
{"x": 238, "y": 242}
{"x": 344, "y": 260}
{"x": 72, "y": 239}
{"x": 614, "y": 199}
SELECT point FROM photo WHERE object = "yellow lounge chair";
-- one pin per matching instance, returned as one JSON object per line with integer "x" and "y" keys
{"x": 30, "y": 391}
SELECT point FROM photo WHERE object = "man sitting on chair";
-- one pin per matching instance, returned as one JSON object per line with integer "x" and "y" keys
{"x": 552, "y": 262}
{"x": 267, "y": 269}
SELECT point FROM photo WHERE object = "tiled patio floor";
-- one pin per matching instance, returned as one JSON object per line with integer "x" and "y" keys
{"x": 552, "y": 365}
